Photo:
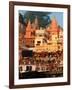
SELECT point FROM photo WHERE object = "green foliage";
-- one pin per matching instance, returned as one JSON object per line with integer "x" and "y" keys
{"x": 43, "y": 18}
{"x": 21, "y": 18}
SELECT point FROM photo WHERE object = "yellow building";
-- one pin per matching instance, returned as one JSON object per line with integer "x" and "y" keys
{"x": 49, "y": 39}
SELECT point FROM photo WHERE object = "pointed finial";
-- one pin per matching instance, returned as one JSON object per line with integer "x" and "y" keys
{"x": 53, "y": 17}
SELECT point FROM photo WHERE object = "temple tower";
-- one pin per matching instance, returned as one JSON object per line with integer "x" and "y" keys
{"x": 29, "y": 35}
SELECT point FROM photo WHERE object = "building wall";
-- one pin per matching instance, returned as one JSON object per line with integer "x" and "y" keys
{"x": 49, "y": 39}
{"x": 40, "y": 37}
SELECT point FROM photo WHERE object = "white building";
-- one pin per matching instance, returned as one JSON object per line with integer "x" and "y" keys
{"x": 40, "y": 38}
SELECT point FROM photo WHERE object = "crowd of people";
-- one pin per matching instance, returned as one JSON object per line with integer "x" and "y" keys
{"x": 44, "y": 61}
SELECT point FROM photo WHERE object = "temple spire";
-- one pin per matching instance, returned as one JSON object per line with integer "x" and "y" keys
{"x": 28, "y": 26}
{"x": 36, "y": 20}
{"x": 35, "y": 23}
{"x": 54, "y": 22}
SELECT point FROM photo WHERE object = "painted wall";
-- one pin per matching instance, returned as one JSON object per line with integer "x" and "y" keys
{"x": 4, "y": 44}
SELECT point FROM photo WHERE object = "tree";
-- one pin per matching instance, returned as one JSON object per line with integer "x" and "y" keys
{"x": 21, "y": 18}
{"x": 43, "y": 17}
